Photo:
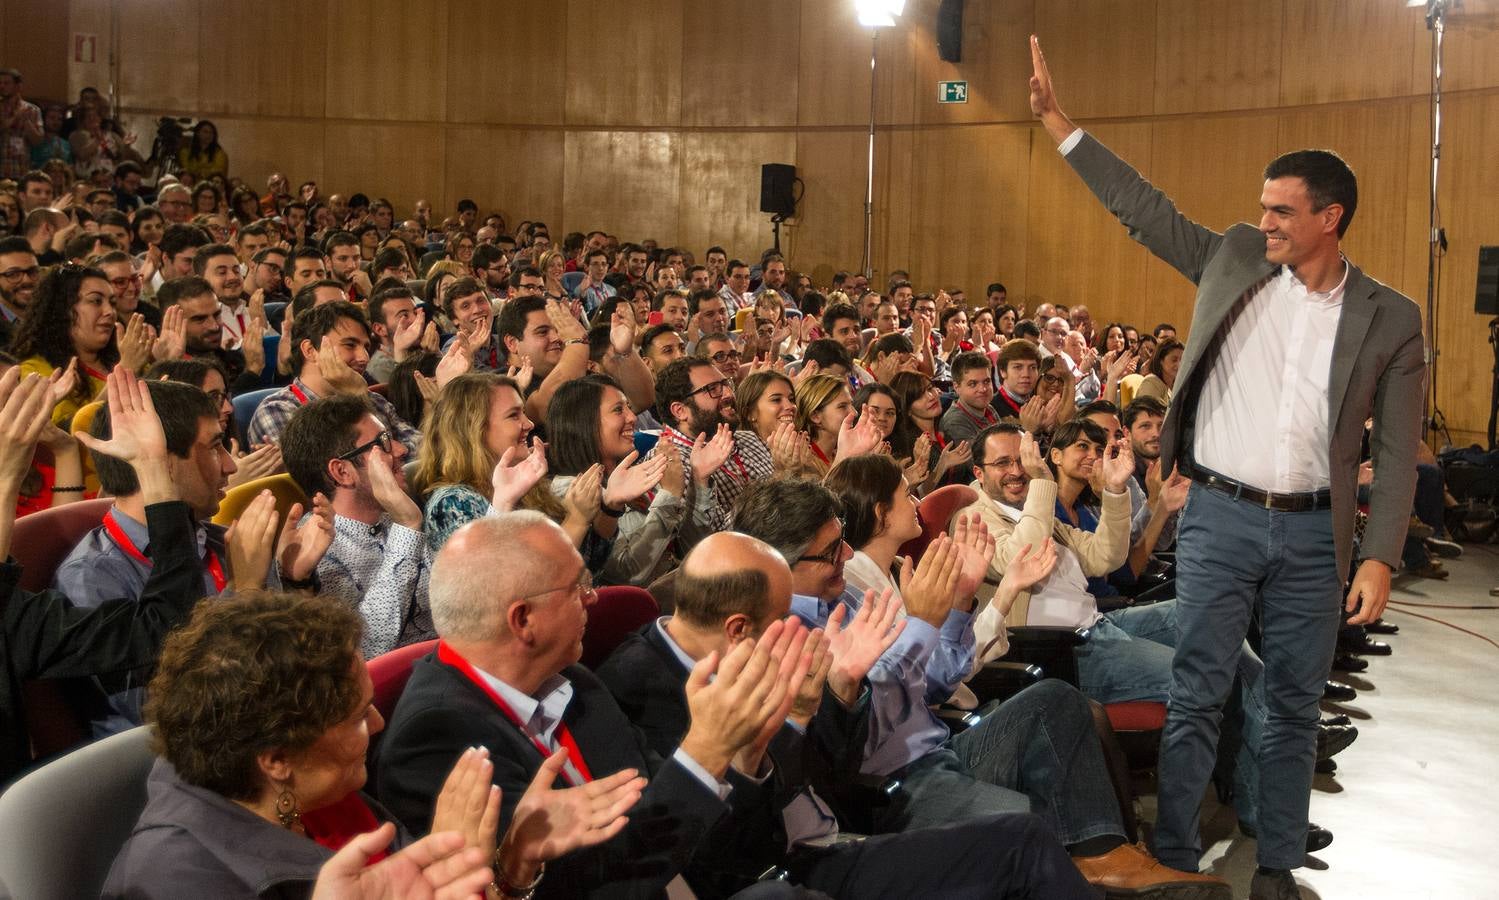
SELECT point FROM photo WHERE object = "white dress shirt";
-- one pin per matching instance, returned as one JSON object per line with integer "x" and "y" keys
{"x": 1262, "y": 416}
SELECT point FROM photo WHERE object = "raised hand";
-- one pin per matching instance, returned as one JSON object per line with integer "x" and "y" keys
{"x": 1028, "y": 568}
{"x": 171, "y": 342}
{"x": 134, "y": 342}
{"x": 585, "y": 494}
{"x": 62, "y": 381}
{"x": 808, "y": 369}
{"x": 976, "y": 548}
{"x": 523, "y": 373}
{"x": 253, "y": 345}
{"x": 513, "y": 479}
{"x": 1033, "y": 415}
{"x": 629, "y": 481}
{"x": 458, "y": 359}
{"x": 959, "y": 454}
{"x": 929, "y": 588}
{"x": 1043, "y": 97}
{"x": 427, "y": 387}
{"x": 731, "y": 710}
{"x": 1030, "y": 459}
{"x": 409, "y": 335}
{"x": 437, "y": 867}
{"x": 786, "y": 445}
{"x": 135, "y": 430}
{"x": 340, "y": 376}
{"x": 389, "y": 491}
{"x": 255, "y": 308}
{"x": 431, "y": 340}
{"x": 477, "y": 338}
{"x": 1174, "y": 491}
{"x": 792, "y": 663}
{"x": 673, "y": 478}
{"x": 622, "y": 327}
{"x": 858, "y": 435}
{"x": 1153, "y": 480}
{"x": 469, "y": 802}
{"x": 808, "y": 694}
{"x": 252, "y": 542}
{"x": 1118, "y": 465}
{"x": 303, "y": 544}
{"x": 25, "y": 411}
{"x": 707, "y": 456}
{"x": 857, "y": 645}
{"x": 258, "y": 463}
{"x": 568, "y": 328}
{"x": 548, "y": 822}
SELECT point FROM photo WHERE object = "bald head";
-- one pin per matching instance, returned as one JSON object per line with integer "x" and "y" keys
{"x": 730, "y": 574}
{"x": 468, "y": 602}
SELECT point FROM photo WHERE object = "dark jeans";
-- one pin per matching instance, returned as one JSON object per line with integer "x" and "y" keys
{"x": 1232, "y": 556}
{"x": 1035, "y": 752}
{"x": 1009, "y": 856}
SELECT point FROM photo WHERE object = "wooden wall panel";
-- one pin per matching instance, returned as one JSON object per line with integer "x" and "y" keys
{"x": 739, "y": 62}
{"x": 507, "y": 63}
{"x": 996, "y": 63}
{"x": 160, "y": 57}
{"x": 514, "y": 171}
{"x": 625, "y": 65}
{"x": 627, "y": 183}
{"x": 387, "y": 59}
{"x": 36, "y": 39}
{"x": 972, "y": 243}
{"x": 720, "y": 190}
{"x": 895, "y": 172}
{"x": 257, "y": 148}
{"x": 90, "y": 17}
{"x": 829, "y": 232}
{"x": 1101, "y": 53}
{"x": 1334, "y": 50}
{"x": 1076, "y": 252}
{"x": 399, "y": 162}
{"x": 832, "y": 66}
{"x": 1470, "y": 49}
{"x": 264, "y": 57}
{"x": 1217, "y": 55}
{"x": 1216, "y": 195}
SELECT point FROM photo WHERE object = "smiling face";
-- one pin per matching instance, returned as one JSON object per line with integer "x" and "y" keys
{"x": 201, "y": 477}
{"x": 1293, "y": 232}
{"x": 819, "y": 573}
{"x": 507, "y": 425}
{"x": 1002, "y": 475}
{"x": 881, "y": 411}
{"x": 776, "y": 405}
{"x": 333, "y": 767}
{"x": 222, "y": 274}
{"x": 616, "y": 425}
{"x": 540, "y": 342}
{"x": 350, "y": 342}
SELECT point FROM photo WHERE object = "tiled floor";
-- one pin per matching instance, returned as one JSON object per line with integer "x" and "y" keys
{"x": 1414, "y": 806}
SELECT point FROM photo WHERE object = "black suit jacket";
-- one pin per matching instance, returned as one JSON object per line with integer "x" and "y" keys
{"x": 441, "y": 713}
{"x": 649, "y": 682}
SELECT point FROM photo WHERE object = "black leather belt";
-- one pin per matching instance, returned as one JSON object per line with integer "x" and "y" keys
{"x": 1301, "y": 501}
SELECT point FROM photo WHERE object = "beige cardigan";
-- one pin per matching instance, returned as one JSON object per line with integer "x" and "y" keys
{"x": 1099, "y": 553}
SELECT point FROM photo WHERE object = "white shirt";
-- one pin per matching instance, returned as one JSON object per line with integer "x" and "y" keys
{"x": 1262, "y": 416}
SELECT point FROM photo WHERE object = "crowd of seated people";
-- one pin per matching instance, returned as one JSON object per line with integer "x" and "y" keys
{"x": 480, "y": 425}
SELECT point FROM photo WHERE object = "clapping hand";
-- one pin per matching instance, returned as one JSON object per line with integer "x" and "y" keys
{"x": 134, "y": 342}
{"x": 171, "y": 342}
{"x": 457, "y": 360}
{"x": 729, "y": 711}
{"x": 959, "y": 454}
{"x": 789, "y": 655}
{"x": 808, "y": 369}
{"x": 622, "y": 327}
{"x": 1027, "y": 568}
{"x": 1174, "y": 491}
{"x": 303, "y": 544}
{"x": 930, "y": 587}
{"x": 477, "y": 337}
{"x": 258, "y": 463}
{"x": 707, "y": 456}
{"x": 1030, "y": 459}
{"x": 469, "y": 802}
{"x": 976, "y": 548}
{"x": 408, "y": 336}
{"x": 857, "y": 645}
{"x": 390, "y": 490}
{"x": 550, "y": 822}
{"x": 25, "y": 410}
{"x": 252, "y": 542}
{"x": 629, "y": 481}
{"x": 253, "y": 345}
{"x": 513, "y": 479}
{"x": 858, "y": 435}
{"x": 136, "y": 435}
{"x": 437, "y": 867}
{"x": 584, "y": 494}
{"x": 1118, "y": 465}
{"x": 522, "y": 374}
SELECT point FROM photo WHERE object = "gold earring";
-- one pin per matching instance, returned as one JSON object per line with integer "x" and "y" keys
{"x": 287, "y": 809}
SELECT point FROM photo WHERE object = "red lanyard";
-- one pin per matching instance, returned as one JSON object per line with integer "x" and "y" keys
{"x": 297, "y": 392}
{"x": 817, "y": 452}
{"x": 117, "y": 534}
{"x": 937, "y": 438}
{"x": 740, "y": 469}
{"x": 988, "y": 419}
{"x": 93, "y": 373}
{"x": 450, "y": 656}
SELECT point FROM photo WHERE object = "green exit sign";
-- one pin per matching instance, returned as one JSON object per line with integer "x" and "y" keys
{"x": 952, "y": 92}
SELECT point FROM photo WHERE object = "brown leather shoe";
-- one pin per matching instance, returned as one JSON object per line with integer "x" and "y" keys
{"x": 1130, "y": 871}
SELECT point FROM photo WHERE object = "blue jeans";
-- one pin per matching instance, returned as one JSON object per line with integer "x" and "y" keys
{"x": 1232, "y": 558}
{"x": 1128, "y": 656}
{"x": 1036, "y": 752}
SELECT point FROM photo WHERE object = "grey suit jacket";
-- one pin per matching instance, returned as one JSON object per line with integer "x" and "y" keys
{"x": 1378, "y": 363}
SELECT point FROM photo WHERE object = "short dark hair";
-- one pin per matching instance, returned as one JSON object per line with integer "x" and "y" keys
{"x": 1026, "y": 329}
{"x": 269, "y": 671}
{"x": 338, "y": 239}
{"x": 187, "y": 370}
{"x": 863, "y": 484}
{"x": 785, "y": 513}
{"x": 650, "y": 334}
{"x": 659, "y": 301}
{"x": 966, "y": 361}
{"x": 836, "y": 312}
{"x": 994, "y": 286}
{"x": 384, "y": 295}
{"x": 948, "y": 315}
{"x": 209, "y": 251}
{"x": 485, "y": 255}
{"x": 981, "y": 441}
{"x": 466, "y": 205}
{"x": 15, "y": 244}
{"x": 1100, "y": 405}
{"x": 1328, "y": 180}
{"x": 706, "y": 601}
{"x": 313, "y": 324}
{"x": 1141, "y": 406}
{"x": 179, "y": 407}
{"x": 696, "y": 298}
{"x": 1016, "y": 349}
{"x": 181, "y": 236}
{"x": 389, "y": 258}
{"x": 176, "y": 290}
{"x": 674, "y": 385}
{"x": 828, "y": 352}
{"x": 318, "y": 432}
{"x": 1074, "y": 430}
{"x": 1164, "y": 326}
{"x": 511, "y": 322}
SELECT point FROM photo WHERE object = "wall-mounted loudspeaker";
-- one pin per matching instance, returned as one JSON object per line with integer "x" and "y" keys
{"x": 950, "y": 30}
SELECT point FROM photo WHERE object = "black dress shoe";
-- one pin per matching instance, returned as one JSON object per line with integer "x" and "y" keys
{"x": 1380, "y": 626}
{"x": 1277, "y": 885}
{"x": 1327, "y": 767}
{"x": 1364, "y": 645}
{"x": 1339, "y": 719}
{"x": 1338, "y": 692}
{"x": 1347, "y": 662}
{"x": 1334, "y": 739}
{"x": 1317, "y": 837}
{"x": 1444, "y": 548}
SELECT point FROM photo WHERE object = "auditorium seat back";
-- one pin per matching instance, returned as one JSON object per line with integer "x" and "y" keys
{"x": 935, "y": 512}
{"x": 390, "y": 672}
{"x": 618, "y": 612}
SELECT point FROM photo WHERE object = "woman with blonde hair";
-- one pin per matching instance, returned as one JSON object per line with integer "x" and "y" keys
{"x": 825, "y": 412}
{"x": 552, "y": 264}
{"x": 461, "y": 479}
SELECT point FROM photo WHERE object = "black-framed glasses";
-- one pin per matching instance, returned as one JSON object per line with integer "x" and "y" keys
{"x": 1003, "y": 463}
{"x": 713, "y": 389}
{"x": 832, "y": 555}
{"x": 724, "y": 356}
{"x": 13, "y": 274}
{"x": 382, "y": 440}
{"x": 1049, "y": 378}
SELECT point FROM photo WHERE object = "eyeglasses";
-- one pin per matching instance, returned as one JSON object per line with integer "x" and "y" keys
{"x": 584, "y": 589}
{"x": 16, "y": 274}
{"x": 218, "y": 397}
{"x": 382, "y": 440}
{"x": 1003, "y": 463}
{"x": 125, "y": 282}
{"x": 1051, "y": 379}
{"x": 831, "y": 555}
{"x": 724, "y": 356}
{"x": 714, "y": 389}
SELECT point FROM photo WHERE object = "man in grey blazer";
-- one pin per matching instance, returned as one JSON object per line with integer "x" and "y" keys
{"x": 1291, "y": 349}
